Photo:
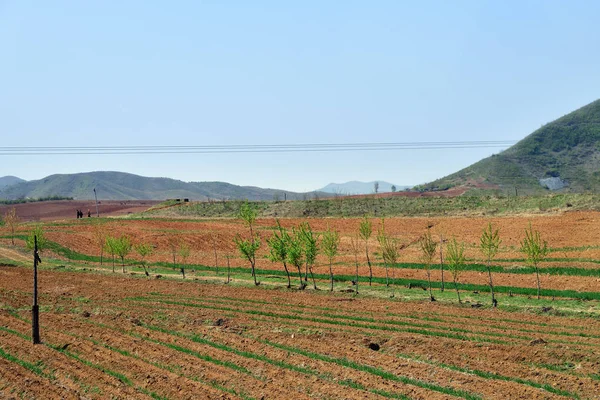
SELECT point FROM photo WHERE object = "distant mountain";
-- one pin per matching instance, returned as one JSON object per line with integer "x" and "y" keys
{"x": 356, "y": 187}
{"x": 563, "y": 155}
{"x": 124, "y": 186}
{"x": 9, "y": 180}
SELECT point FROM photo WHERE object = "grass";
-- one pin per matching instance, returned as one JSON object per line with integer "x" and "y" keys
{"x": 491, "y": 375}
{"x": 344, "y": 362}
{"x": 35, "y": 368}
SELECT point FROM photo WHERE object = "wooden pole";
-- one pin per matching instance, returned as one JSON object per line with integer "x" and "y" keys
{"x": 35, "y": 310}
{"x": 96, "y": 197}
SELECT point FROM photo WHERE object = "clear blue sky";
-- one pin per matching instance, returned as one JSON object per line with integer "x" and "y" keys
{"x": 88, "y": 73}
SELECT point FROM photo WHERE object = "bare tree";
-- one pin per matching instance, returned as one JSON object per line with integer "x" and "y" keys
{"x": 355, "y": 246}
{"x": 184, "y": 253}
{"x": 456, "y": 262}
{"x": 11, "y": 219}
{"x": 428, "y": 249}
{"x": 365, "y": 231}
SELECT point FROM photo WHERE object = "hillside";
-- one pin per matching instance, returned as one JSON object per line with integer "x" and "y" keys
{"x": 124, "y": 186}
{"x": 9, "y": 180}
{"x": 356, "y": 187}
{"x": 563, "y": 155}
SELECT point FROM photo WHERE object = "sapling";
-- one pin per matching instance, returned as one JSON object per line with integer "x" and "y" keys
{"x": 110, "y": 245}
{"x": 144, "y": 250}
{"x": 184, "y": 253}
{"x": 428, "y": 249}
{"x": 11, "y": 220}
{"x": 295, "y": 254}
{"x": 248, "y": 247}
{"x": 535, "y": 249}
{"x": 42, "y": 242}
{"x": 390, "y": 250}
{"x": 330, "y": 243}
{"x": 354, "y": 245}
{"x": 123, "y": 247}
{"x": 278, "y": 249}
{"x": 489, "y": 243}
{"x": 456, "y": 262}
{"x": 100, "y": 236}
{"x": 365, "y": 230}
{"x": 310, "y": 247}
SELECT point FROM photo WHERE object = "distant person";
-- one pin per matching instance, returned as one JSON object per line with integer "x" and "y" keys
{"x": 89, "y": 213}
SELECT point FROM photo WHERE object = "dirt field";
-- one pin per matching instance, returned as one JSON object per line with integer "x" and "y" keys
{"x": 121, "y": 337}
{"x": 67, "y": 209}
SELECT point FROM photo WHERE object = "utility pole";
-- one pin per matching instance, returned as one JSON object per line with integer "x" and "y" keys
{"x": 96, "y": 196}
{"x": 35, "y": 310}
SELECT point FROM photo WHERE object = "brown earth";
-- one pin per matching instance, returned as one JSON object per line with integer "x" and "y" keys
{"x": 117, "y": 336}
{"x": 67, "y": 209}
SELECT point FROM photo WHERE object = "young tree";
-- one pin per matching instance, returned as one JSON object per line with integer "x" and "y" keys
{"x": 390, "y": 250}
{"x": 365, "y": 230}
{"x": 144, "y": 250}
{"x": 393, "y": 188}
{"x": 355, "y": 246}
{"x": 123, "y": 247}
{"x": 11, "y": 219}
{"x": 214, "y": 242}
{"x": 278, "y": 249}
{"x": 184, "y": 253}
{"x": 295, "y": 254}
{"x": 428, "y": 248}
{"x": 110, "y": 245}
{"x": 330, "y": 243}
{"x": 535, "y": 249}
{"x": 248, "y": 247}
{"x": 489, "y": 243}
{"x": 442, "y": 260}
{"x": 248, "y": 250}
{"x": 228, "y": 270}
{"x": 376, "y": 187}
{"x": 456, "y": 262}
{"x": 42, "y": 242}
{"x": 382, "y": 239}
{"x": 309, "y": 241}
{"x": 100, "y": 236}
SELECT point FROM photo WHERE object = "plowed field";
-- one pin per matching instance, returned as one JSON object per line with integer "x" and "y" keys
{"x": 121, "y": 335}
{"x": 114, "y": 336}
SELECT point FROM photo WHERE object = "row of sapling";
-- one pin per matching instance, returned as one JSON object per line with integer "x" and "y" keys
{"x": 249, "y": 246}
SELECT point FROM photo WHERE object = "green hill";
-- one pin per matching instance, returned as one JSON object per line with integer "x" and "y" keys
{"x": 123, "y": 186}
{"x": 561, "y": 156}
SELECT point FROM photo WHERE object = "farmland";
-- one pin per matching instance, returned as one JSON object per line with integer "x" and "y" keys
{"x": 125, "y": 335}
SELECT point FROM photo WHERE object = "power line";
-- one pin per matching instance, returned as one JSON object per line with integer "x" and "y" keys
{"x": 248, "y": 148}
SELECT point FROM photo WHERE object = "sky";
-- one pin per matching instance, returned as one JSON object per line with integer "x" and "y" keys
{"x": 182, "y": 73}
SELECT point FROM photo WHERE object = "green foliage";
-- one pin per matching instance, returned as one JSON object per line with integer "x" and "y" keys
{"x": 365, "y": 229}
{"x": 123, "y": 247}
{"x": 534, "y": 248}
{"x": 144, "y": 250}
{"x": 428, "y": 248}
{"x": 489, "y": 242}
{"x": 295, "y": 250}
{"x": 330, "y": 243}
{"x": 455, "y": 256}
{"x": 248, "y": 214}
{"x": 309, "y": 243}
{"x": 278, "y": 244}
{"x": 184, "y": 250}
{"x": 247, "y": 247}
{"x": 38, "y": 232}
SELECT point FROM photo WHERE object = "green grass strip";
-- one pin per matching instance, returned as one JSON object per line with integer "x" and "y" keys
{"x": 265, "y": 359}
{"x": 493, "y": 375}
{"x": 344, "y": 362}
{"x": 35, "y": 368}
{"x": 332, "y": 321}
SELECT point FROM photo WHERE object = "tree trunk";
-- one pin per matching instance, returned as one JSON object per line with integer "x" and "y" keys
{"x": 288, "y": 275}
{"x": 537, "y": 273}
{"x": 370, "y": 268}
{"x": 331, "y": 275}
{"x": 113, "y": 258}
{"x": 300, "y": 277}
{"x": 228, "y": 271}
{"x": 183, "y": 272}
{"x": 387, "y": 278}
{"x": 256, "y": 283}
{"x": 313, "y": 278}
{"x": 491, "y": 283}
{"x": 356, "y": 263}
{"x": 429, "y": 280}
{"x": 457, "y": 292}
{"x": 101, "y": 254}
{"x": 146, "y": 270}
{"x": 442, "y": 259}
{"x": 306, "y": 273}
{"x": 123, "y": 264}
